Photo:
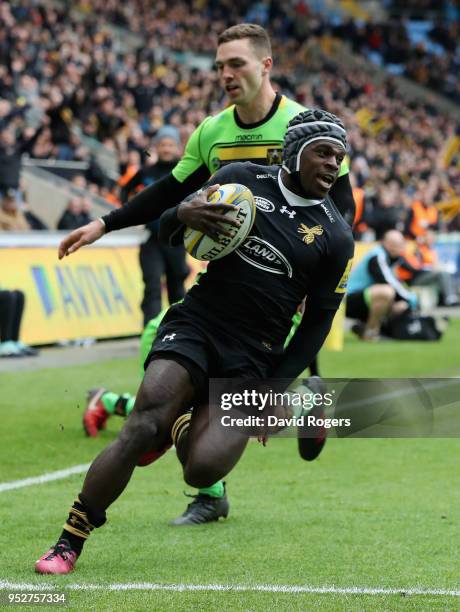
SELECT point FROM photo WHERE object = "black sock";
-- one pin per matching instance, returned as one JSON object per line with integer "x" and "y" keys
{"x": 75, "y": 542}
{"x": 80, "y": 522}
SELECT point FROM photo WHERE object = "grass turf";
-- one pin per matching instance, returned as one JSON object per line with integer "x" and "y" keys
{"x": 368, "y": 513}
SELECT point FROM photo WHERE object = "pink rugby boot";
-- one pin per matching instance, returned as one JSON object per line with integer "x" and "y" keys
{"x": 60, "y": 559}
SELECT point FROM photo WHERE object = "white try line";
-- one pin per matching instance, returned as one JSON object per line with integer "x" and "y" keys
{"x": 48, "y": 477}
{"x": 59, "y": 475}
{"x": 264, "y": 588}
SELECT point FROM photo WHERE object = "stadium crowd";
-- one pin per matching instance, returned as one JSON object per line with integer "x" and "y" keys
{"x": 64, "y": 74}
{"x": 430, "y": 56}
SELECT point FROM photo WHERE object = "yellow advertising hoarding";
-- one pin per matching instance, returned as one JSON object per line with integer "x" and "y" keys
{"x": 94, "y": 293}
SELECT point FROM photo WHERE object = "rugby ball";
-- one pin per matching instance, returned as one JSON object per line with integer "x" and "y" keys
{"x": 203, "y": 247}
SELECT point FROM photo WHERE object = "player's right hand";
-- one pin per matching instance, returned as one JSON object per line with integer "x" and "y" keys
{"x": 201, "y": 215}
{"x": 87, "y": 234}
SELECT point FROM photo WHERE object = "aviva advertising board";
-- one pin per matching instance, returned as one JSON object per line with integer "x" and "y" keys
{"x": 94, "y": 293}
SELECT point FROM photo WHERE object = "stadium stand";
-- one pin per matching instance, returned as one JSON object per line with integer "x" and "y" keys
{"x": 96, "y": 94}
{"x": 416, "y": 39}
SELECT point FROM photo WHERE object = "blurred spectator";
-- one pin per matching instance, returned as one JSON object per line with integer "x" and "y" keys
{"x": 163, "y": 159}
{"x": 34, "y": 221}
{"x": 76, "y": 214}
{"x": 422, "y": 216}
{"x": 420, "y": 43}
{"x": 128, "y": 169}
{"x": 43, "y": 147}
{"x": 419, "y": 267}
{"x": 111, "y": 195}
{"x": 11, "y": 311}
{"x": 360, "y": 227}
{"x": 157, "y": 259}
{"x": 11, "y": 151}
{"x": 387, "y": 211}
{"x": 11, "y": 216}
{"x": 86, "y": 208}
{"x": 79, "y": 181}
{"x": 374, "y": 292}
{"x": 68, "y": 70}
{"x": 60, "y": 124}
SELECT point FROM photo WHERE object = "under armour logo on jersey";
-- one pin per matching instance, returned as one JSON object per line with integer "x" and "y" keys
{"x": 169, "y": 337}
{"x": 286, "y": 211}
{"x": 309, "y": 233}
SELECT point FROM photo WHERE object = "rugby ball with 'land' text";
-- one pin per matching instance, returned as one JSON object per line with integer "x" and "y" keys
{"x": 203, "y": 247}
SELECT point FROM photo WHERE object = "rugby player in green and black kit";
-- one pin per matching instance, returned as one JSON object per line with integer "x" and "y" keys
{"x": 250, "y": 129}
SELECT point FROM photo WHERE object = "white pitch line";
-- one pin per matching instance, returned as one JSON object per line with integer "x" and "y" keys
{"x": 267, "y": 588}
{"x": 59, "y": 475}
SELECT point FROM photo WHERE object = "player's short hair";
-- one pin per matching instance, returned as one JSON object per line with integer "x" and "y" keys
{"x": 305, "y": 128}
{"x": 256, "y": 34}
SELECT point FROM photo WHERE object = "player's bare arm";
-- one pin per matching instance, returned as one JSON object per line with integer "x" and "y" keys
{"x": 82, "y": 236}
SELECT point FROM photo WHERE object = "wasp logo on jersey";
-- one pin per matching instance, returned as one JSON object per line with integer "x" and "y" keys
{"x": 342, "y": 286}
{"x": 265, "y": 256}
{"x": 264, "y": 205}
{"x": 309, "y": 233}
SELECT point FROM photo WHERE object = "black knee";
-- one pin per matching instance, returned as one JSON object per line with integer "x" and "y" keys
{"x": 140, "y": 434}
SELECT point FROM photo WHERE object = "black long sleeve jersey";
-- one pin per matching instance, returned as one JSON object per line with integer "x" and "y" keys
{"x": 297, "y": 247}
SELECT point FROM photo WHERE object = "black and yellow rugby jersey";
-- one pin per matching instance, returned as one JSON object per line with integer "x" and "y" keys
{"x": 297, "y": 247}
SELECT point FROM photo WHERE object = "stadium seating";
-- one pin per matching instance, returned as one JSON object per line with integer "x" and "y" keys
{"x": 119, "y": 74}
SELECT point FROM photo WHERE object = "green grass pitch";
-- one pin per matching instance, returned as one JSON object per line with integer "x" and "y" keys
{"x": 368, "y": 514}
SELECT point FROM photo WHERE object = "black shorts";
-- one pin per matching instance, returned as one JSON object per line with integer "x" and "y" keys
{"x": 356, "y": 306}
{"x": 207, "y": 351}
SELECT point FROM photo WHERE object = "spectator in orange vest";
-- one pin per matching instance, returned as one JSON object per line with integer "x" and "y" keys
{"x": 131, "y": 167}
{"x": 359, "y": 224}
{"x": 420, "y": 268}
{"x": 111, "y": 195}
{"x": 422, "y": 215}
